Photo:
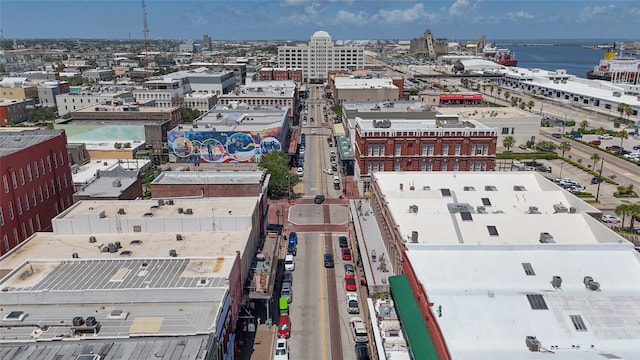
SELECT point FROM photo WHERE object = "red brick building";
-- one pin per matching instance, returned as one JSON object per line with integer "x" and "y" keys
{"x": 443, "y": 144}
{"x": 267, "y": 74}
{"x": 36, "y": 183}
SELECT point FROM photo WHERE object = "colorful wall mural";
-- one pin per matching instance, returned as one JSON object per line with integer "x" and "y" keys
{"x": 221, "y": 147}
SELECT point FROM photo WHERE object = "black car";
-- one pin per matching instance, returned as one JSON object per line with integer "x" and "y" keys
{"x": 319, "y": 199}
{"x": 292, "y": 249}
{"x": 557, "y": 135}
{"x": 343, "y": 241}
{"x": 362, "y": 352}
{"x": 596, "y": 180}
{"x": 328, "y": 260}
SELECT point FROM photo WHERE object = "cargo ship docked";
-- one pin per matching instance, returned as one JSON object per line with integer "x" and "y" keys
{"x": 617, "y": 68}
{"x": 500, "y": 55}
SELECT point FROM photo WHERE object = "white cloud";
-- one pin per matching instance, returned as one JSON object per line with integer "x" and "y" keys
{"x": 293, "y": 2}
{"x": 591, "y": 12}
{"x": 402, "y": 16}
{"x": 200, "y": 21}
{"x": 634, "y": 11}
{"x": 459, "y": 7}
{"x": 519, "y": 15}
{"x": 350, "y": 18}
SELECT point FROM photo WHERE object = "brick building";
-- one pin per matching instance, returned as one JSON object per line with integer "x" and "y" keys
{"x": 36, "y": 183}
{"x": 267, "y": 74}
{"x": 443, "y": 144}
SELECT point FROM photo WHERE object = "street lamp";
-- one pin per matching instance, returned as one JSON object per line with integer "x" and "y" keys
{"x": 599, "y": 181}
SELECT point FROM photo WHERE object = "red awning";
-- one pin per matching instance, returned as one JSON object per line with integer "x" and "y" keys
{"x": 461, "y": 97}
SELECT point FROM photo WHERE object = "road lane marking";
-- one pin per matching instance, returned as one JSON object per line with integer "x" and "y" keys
{"x": 321, "y": 240}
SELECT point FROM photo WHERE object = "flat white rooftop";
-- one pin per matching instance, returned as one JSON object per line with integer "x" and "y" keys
{"x": 343, "y": 82}
{"x": 208, "y": 177}
{"x": 419, "y": 124}
{"x": 87, "y": 172}
{"x": 242, "y": 118}
{"x": 389, "y": 106}
{"x": 481, "y": 113}
{"x": 489, "y": 208}
{"x": 491, "y": 298}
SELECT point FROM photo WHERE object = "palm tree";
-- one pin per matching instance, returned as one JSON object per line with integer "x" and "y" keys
{"x": 624, "y": 135}
{"x": 625, "y": 109}
{"x": 508, "y": 142}
{"x": 623, "y": 210}
{"x": 583, "y": 125}
{"x": 492, "y": 89}
{"x": 531, "y": 104}
{"x": 634, "y": 211}
{"x": 507, "y": 95}
{"x": 600, "y": 131}
{"x": 499, "y": 91}
{"x": 564, "y": 146}
{"x": 595, "y": 157}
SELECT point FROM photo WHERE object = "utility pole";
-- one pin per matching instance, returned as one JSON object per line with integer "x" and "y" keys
{"x": 599, "y": 180}
{"x": 145, "y": 29}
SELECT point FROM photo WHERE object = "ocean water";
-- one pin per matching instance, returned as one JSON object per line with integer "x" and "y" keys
{"x": 571, "y": 55}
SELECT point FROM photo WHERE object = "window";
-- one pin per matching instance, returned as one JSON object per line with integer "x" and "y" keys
{"x": 505, "y": 131}
{"x": 40, "y": 193}
{"x": 473, "y": 149}
{"x": 486, "y": 149}
{"x": 486, "y": 202}
{"x": 46, "y": 189}
{"x": 458, "y": 147}
{"x": 26, "y": 202}
{"x": 21, "y": 176}
{"x": 55, "y": 160}
{"x": 11, "y": 214}
{"x": 29, "y": 172}
{"x": 30, "y": 226}
{"x": 396, "y": 166}
{"x": 423, "y": 150}
{"x": 6, "y": 184}
{"x": 430, "y": 147}
{"x": 443, "y": 165}
{"x": 429, "y": 165}
{"x": 13, "y": 178}
{"x": 35, "y": 167}
{"x": 33, "y": 197}
{"x": 456, "y": 165}
{"x": 398, "y": 149}
{"x": 578, "y": 323}
{"x": 19, "y": 205}
{"x": 5, "y": 241}
{"x": 466, "y": 216}
{"x": 445, "y": 149}
{"x": 1, "y": 217}
{"x": 42, "y": 166}
{"x": 53, "y": 187}
{"x": 528, "y": 269}
{"x": 61, "y": 158}
{"x": 493, "y": 231}
{"x": 537, "y": 302}
{"x": 38, "y": 225}
{"x": 423, "y": 165}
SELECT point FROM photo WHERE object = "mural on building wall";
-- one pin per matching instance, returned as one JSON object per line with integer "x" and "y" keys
{"x": 212, "y": 146}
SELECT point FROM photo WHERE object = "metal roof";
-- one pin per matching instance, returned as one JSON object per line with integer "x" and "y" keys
{"x": 13, "y": 141}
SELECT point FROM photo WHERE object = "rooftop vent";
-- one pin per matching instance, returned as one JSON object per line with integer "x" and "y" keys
{"x": 121, "y": 211}
{"x": 533, "y": 210}
{"x": 413, "y": 209}
{"x": 532, "y": 343}
{"x": 189, "y": 211}
{"x": 559, "y": 208}
{"x": 169, "y": 202}
{"x": 546, "y": 238}
{"x": 556, "y": 282}
{"x": 116, "y": 183}
{"x": 426, "y": 188}
{"x": 92, "y": 239}
{"x": 572, "y": 210}
{"x": 173, "y": 253}
{"x": 414, "y": 236}
{"x": 78, "y": 321}
{"x": 590, "y": 284}
{"x": 481, "y": 210}
{"x": 179, "y": 237}
{"x": 75, "y": 255}
{"x": 180, "y": 210}
{"x": 160, "y": 202}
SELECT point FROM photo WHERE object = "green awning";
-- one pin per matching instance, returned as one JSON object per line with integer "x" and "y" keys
{"x": 414, "y": 326}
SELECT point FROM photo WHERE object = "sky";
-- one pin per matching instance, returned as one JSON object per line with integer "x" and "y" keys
{"x": 342, "y": 19}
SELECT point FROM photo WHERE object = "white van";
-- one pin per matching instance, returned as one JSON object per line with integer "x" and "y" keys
{"x": 289, "y": 264}
{"x": 336, "y": 180}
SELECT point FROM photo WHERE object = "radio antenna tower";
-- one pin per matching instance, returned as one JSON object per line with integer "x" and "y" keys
{"x": 145, "y": 30}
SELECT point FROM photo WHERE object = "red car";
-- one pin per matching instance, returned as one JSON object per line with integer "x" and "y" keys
{"x": 595, "y": 142}
{"x": 346, "y": 254}
{"x": 284, "y": 327}
{"x": 350, "y": 283}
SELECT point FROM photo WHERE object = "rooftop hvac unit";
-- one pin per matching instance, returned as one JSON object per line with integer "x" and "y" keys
{"x": 559, "y": 208}
{"x": 91, "y": 321}
{"x": 189, "y": 211}
{"x": 78, "y": 321}
{"x": 481, "y": 210}
{"x": 414, "y": 236}
{"x": 160, "y": 202}
{"x": 173, "y": 253}
{"x": 590, "y": 284}
{"x": 169, "y": 202}
{"x": 116, "y": 183}
{"x": 411, "y": 188}
{"x": 121, "y": 211}
{"x": 179, "y": 237}
{"x": 180, "y": 210}
{"x": 546, "y": 238}
{"x": 413, "y": 209}
{"x": 112, "y": 248}
{"x": 532, "y": 343}
{"x": 533, "y": 210}
{"x": 92, "y": 239}
{"x": 105, "y": 249}
{"x": 572, "y": 210}
{"x": 586, "y": 280}
{"x": 118, "y": 245}
{"x": 75, "y": 255}
{"x": 556, "y": 282}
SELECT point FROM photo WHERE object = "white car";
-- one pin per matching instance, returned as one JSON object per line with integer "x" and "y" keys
{"x": 281, "y": 351}
{"x": 358, "y": 330}
{"x": 605, "y": 137}
{"x": 300, "y": 171}
{"x": 289, "y": 263}
{"x": 608, "y": 218}
{"x": 352, "y": 303}
{"x": 327, "y": 171}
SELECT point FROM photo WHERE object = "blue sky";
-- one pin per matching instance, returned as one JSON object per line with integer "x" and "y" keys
{"x": 342, "y": 19}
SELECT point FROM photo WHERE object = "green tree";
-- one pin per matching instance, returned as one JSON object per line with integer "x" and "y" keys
{"x": 42, "y": 114}
{"x": 276, "y": 164}
{"x": 508, "y": 142}
{"x": 564, "y": 146}
{"x": 531, "y": 104}
{"x": 507, "y": 95}
{"x": 623, "y": 210}
{"x": 188, "y": 114}
{"x": 624, "y": 135}
{"x": 625, "y": 109}
{"x": 595, "y": 157}
{"x": 634, "y": 212}
{"x": 548, "y": 146}
{"x": 499, "y": 91}
{"x": 600, "y": 131}
{"x": 583, "y": 125}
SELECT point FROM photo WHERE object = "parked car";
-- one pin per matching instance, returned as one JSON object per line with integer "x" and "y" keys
{"x": 544, "y": 168}
{"x": 576, "y": 136}
{"x": 557, "y": 135}
{"x": 336, "y": 180}
{"x": 319, "y": 199}
{"x": 608, "y": 218}
{"x": 336, "y": 186}
{"x": 350, "y": 283}
{"x": 349, "y": 269}
{"x": 595, "y": 142}
{"x": 281, "y": 351}
{"x": 346, "y": 254}
{"x": 636, "y": 147}
{"x": 289, "y": 263}
{"x": 533, "y": 164}
{"x": 362, "y": 352}
{"x": 596, "y": 180}
{"x": 605, "y": 137}
{"x": 313, "y": 130}
{"x": 522, "y": 147}
{"x": 287, "y": 277}
{"x": 359, "y": 330}
{"x": 300, "y": 171}
{"x": 292, "y": 249}
{"x": 327, "y": 171}
{"x": 287, "y": 292}
{"x": 284, "y": 327}
{"x": 293, "y": 237}
{"x": 328, "y": 260}
{"x": 352, "y": 303}
{"x": 343, "y": 241}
